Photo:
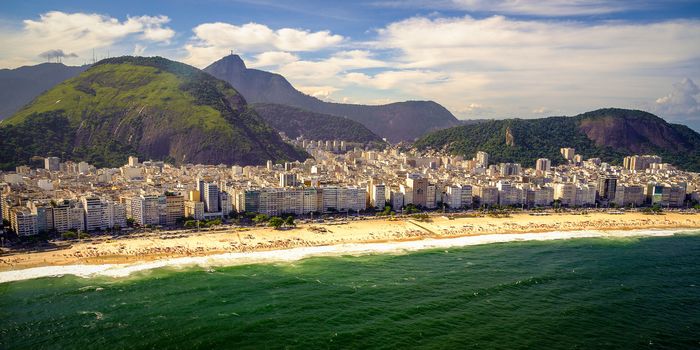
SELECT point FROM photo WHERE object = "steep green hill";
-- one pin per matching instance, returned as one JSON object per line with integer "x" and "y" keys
{"x": 153, "y": 107}
{"x": 610, "y": 134}
{"x": 313, "y": 126}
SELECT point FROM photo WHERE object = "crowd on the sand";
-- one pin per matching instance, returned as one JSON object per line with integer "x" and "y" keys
{"x": 151, "y": 247}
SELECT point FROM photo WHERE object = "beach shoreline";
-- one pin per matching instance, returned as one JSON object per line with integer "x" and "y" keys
{"x": 124, "y": 255}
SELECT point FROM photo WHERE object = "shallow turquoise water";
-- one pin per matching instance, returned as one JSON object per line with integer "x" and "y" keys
{"x": 576, "y": 294}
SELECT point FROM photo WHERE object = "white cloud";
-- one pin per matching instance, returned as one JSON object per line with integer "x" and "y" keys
{"x": 548, "y": 8}
{"x": 202, "y": 56}
{"x": 397, "y": 79}
{"x": 153, "y": 29}
{"x": 518, "y": 66}
{"x": 272, "y": 59}
{"x": 328, "y": 70}
{"x": 320, "y": 92}
{"x": 681, "y": 102}
{"x": 472, "y": 109}
{"x": 77, "y": 32}
{"x": 501, "y": 43}
{"x": 542, "y": 110}
{"x": 213, "y": 38}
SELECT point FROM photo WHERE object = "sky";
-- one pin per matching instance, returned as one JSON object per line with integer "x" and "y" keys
{"x": 478, "y": 58}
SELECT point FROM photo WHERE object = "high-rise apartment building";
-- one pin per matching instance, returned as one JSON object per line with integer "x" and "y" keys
{"x": 377, "y": 195}
{"x": 568, "y": 153}
{"x": 607, "y": 185}
{"x": 211, "y": 198}
{"x": 482, "y": 159}
{"x": 174, "y": 208}
{"x": 543, "y": 164}
{"x": 52, "y": 163}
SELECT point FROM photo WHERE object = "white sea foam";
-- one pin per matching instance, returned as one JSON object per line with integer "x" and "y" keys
{"x": 294, "y": 254}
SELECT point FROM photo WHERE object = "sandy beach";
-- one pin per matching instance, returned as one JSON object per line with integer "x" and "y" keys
{"x": 170, "y": 245}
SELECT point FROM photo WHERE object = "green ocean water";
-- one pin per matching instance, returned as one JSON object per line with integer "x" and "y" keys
{"x": 634, "y": 293}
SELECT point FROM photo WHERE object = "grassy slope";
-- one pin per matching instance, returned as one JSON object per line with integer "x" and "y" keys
{"x": 127, "y": 104}
{"x": 124, "y": 86}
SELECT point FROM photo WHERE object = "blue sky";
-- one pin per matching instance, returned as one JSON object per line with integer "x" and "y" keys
{"x": 493, "y": 59}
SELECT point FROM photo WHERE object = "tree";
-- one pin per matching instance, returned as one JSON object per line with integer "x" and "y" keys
{"x": 276, "y": 222}
{"x": 261, "y": 218}
{"x": 130, "y": 222}
{"x": 289, "y": 221}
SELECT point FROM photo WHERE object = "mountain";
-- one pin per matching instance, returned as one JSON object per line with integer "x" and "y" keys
{"x": 402, "y": 121}
{"x": 152, "y": 107}
{"x": 21, "y": 85}
{"x": 297, "y": 122}
{"x": 610, "y": 134}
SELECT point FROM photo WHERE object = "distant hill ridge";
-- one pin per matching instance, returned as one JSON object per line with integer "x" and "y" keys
{"x": 401, "y": 121}
{"x": 21, "y": 85}
{"x": 295, "y": 122}
{"x": 149, "y": 106}
{"x": 609, "y": 134}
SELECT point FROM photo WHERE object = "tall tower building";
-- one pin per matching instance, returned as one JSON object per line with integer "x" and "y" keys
{"x": 52, "y": 164}
{"x": 607, "y": 185}
{"x": 211, "y": 197}
{"x": 543, "y": 164}
{"x": 568, "y": 153}
{"x": 288, "y": 180}
{"x": 482, "y": 159}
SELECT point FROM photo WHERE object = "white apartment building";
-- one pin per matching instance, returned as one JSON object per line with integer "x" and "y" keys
{"x": 565, "y": 193}
{"x": 377, "y": 196}
{"x": 487, "y": 195}
{"x": 453, "y": 196}
{"x": 23, "y": 222}
{"x": 145, "y": 210}
{"x": 94, "y": 213}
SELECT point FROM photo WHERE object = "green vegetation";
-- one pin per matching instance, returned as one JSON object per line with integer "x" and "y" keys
{"x": 295, "y": 122}
{"x": 410, "y": 209}
{"x": 261, "y": 218}
{"x": 289, "y": 221}
{"x": 608, "y": 134}
{"x": 421, "y": 217}
{"x": 386, "y": 212}
{"x": 152, "y": 107}
{"x": 276, "y": 222}
{"x": 69, "y": 235}
{"x": 655, "y": 209}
